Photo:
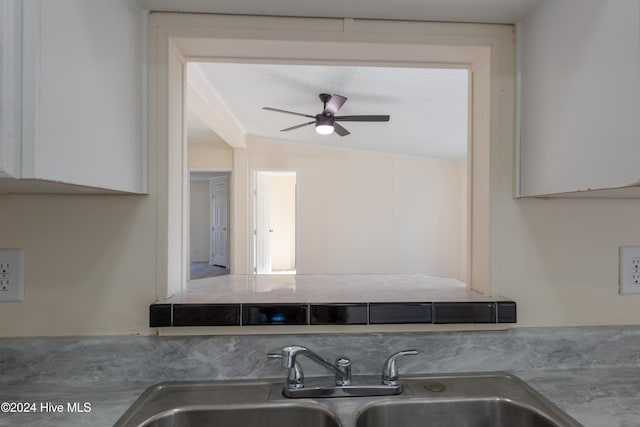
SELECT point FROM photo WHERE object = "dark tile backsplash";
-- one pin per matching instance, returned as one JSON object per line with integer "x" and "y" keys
{"x": 408, "y": 312}
{"x": 160, "y": 315}
{"x": 464, "y": 312}
{"x": 165, "y": 315}
{"x": 274, "y": 314}
{"x": 338, "y": 314}
{"x": 507, "y": 312}
{"x": 206, "y": 315}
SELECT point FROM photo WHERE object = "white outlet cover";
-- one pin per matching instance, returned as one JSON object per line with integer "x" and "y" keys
{"x": 627, "y": 270}
{"x": 14, "y": 276}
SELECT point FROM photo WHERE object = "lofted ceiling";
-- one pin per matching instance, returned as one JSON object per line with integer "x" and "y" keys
{"x": 428, "y": 108}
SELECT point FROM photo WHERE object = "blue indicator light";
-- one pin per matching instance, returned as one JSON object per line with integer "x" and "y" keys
{"x": 278, "y": 318}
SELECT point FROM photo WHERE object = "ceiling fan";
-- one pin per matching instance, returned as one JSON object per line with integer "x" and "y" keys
{"x": 326, "y": 121}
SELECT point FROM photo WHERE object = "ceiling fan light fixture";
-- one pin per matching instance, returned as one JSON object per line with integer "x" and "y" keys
{"x": 326, "y": 122}
{"x": 324, "y": 129}
{"x": 324, "y": 125}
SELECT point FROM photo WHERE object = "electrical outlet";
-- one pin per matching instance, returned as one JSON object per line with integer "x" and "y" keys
{"x": 5, "y": 268}
{"x": 629, "y": 269}
{"x": 11, "y": 275}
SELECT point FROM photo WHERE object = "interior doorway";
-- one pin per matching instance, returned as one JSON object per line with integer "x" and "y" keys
{"x": 274, "y": 217}
{"x": 208, "y": 224}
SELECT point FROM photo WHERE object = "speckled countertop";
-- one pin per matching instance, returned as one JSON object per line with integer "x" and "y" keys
{"x": 592, "y": 373}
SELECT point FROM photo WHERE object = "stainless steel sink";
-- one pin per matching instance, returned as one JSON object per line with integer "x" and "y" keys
{"x": 273, "y": 415}
{"x": 472, "y": 413}
{"x": 476, "y": 400}
{"x": 223, "y": 404}
{"x": 470, "y": 400}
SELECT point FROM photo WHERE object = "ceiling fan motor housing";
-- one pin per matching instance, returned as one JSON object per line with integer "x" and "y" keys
{"x": 324, "y": 120}
{"x": 324, "y": 97}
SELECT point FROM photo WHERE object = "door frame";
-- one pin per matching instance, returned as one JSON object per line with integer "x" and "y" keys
{"x": 186, "y": 218}
{"x": 252, "y": 215}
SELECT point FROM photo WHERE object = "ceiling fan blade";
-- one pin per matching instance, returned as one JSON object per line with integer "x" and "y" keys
{"x": 340, "y": 130}
{"x": 297, "y": 126}
{"x": 362, "y": 118}
{"x": 334, "y": 104}
{"x": 277, "y": 110}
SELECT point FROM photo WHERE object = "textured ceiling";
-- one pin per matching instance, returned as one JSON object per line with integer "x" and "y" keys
{"x": 488, "y": 11}
{"x": 428, "y": 107}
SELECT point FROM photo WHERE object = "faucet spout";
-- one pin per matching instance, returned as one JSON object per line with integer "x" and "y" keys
{"x": 342, "y": 371}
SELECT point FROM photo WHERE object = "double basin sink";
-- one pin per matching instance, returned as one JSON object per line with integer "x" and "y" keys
{"x": 465, "y": 400}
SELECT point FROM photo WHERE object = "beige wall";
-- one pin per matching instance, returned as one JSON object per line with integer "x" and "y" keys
{"x": 90, "y": 264}
{"x": 364, "y": 212}
{"x": 206, "y": 155}
{"x": 559, "y": 259}
{"x": 90, "y": 260}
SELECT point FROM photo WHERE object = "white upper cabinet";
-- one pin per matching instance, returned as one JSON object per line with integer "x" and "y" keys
{"x": 579, "y": 65}
{"x": 10, "y": 69}
{"x": 73, "y": 96}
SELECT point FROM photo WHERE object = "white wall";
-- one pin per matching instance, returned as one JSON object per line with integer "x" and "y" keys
{"x": 364, "y": 212}
{"x": 463, "y": 220}
{"x": 199, "y": 221}
{"x": 580, "y": 73}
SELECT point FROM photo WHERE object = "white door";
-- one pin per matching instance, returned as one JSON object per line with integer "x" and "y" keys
{"x": 263, "y": 224}
{"x": 219, "y": 224}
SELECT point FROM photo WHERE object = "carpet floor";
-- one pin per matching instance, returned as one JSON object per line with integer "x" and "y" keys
{"x": 200, "y": 270}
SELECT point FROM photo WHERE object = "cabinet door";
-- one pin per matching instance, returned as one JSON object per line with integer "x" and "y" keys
{"x": 10, "y": 41}
{"x": 580, "y": 100}
{"x": 80, "y": 91}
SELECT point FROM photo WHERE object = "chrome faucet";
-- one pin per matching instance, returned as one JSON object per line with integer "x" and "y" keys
{"x": 342, "y": 368}
{"x": 295, "y": 385}
{"x": 295, "y": 375}
{"x": 390, "y": 375}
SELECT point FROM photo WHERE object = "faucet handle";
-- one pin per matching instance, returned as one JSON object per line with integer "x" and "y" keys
{"x": 390, "y": 375}
{"x": 295, "y": 376}
{"x": 289, "y": 354}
